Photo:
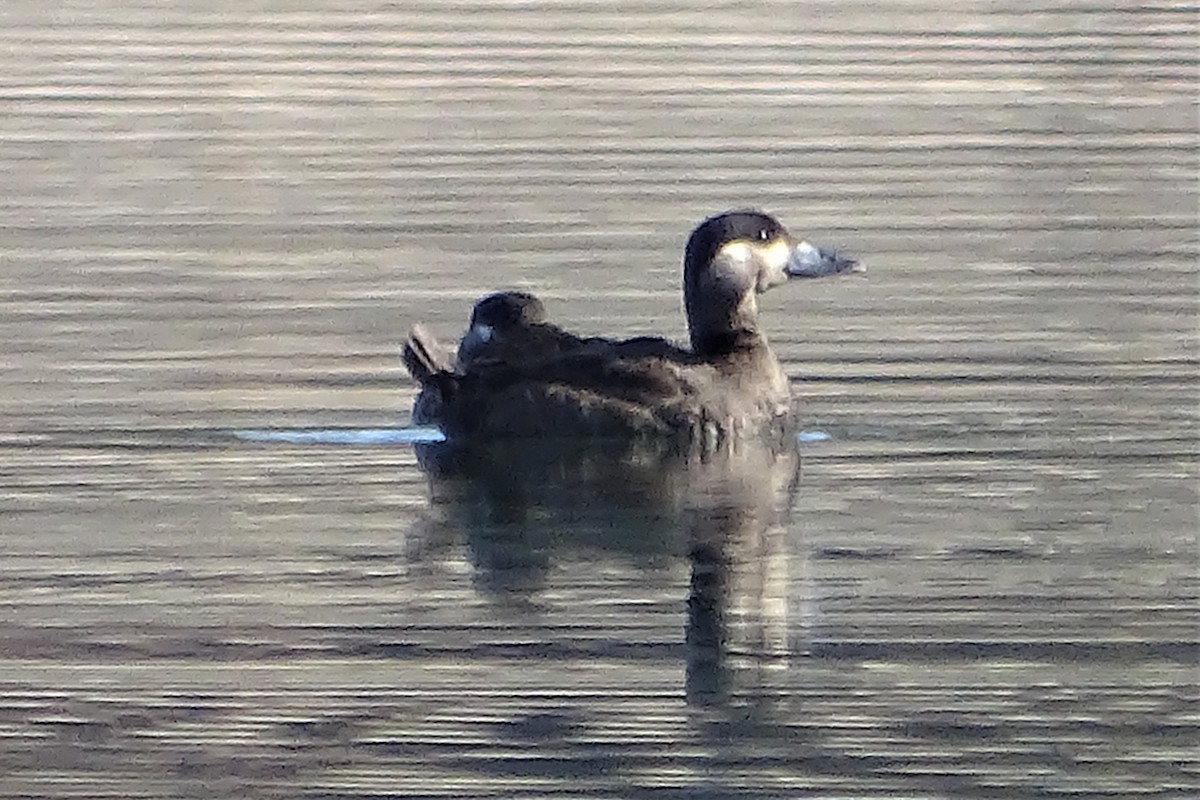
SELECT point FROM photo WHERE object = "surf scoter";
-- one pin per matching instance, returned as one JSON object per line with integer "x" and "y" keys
{"x": 519, "y": 376}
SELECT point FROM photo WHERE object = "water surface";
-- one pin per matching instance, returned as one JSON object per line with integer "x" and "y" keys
{"x": 223, "y": 218}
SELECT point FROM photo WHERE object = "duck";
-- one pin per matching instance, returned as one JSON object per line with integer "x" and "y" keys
{"x": 517, "y": 375}
{"x": 511, "y": 327}
{"x": 508, "y": 329}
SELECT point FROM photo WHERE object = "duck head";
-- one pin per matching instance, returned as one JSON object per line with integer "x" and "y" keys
{"x": 732, "y": 258}
{"x": 499, "y": 314}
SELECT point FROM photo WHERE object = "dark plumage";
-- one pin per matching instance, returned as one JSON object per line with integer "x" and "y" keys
{"x": 518, "y": 375}
{"x": 510, "y": 328}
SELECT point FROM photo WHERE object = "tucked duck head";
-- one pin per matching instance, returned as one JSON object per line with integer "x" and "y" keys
{"x": 730, "y": 259}
{"x": 498, "y": 315}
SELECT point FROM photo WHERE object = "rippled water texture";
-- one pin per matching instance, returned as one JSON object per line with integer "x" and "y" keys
{"x": 227, "y": 570}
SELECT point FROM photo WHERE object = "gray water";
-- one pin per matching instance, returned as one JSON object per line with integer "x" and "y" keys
{"x": 221, "y": 217}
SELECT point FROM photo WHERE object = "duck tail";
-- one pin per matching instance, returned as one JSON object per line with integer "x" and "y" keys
{"x": 424, "y": 356}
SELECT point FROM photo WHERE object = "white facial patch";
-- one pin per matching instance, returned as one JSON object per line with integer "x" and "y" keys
{"x": 776, "y": 255}
{"x": 482, "y": 332}
{"x": 736, "y": 251}
{"x": 759, "y": 266}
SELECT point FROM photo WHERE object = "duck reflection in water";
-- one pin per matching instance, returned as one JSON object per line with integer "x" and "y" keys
{"x": 728, "y": 513}
{"x": 557, "y": 442}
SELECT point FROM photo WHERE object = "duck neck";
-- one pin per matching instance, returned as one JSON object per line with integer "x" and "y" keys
{"x": 722, "y": 343}
{"x": 716, "y": 328}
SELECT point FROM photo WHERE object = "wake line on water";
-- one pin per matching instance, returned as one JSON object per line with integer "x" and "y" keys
{"x": 384, "y": 436}
{"x": 367, "y": 436}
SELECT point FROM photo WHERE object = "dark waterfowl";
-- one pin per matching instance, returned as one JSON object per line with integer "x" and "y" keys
{"x": 506, "y": 329}
{"x": 510, "y": 328}
{"x": 520, "y": 376}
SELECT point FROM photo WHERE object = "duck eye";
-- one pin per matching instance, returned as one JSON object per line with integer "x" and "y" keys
{"x": 764, "y": 235}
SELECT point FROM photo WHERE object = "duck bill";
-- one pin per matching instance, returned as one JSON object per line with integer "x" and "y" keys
{"x": 807, "y": 261}
{"x": 473, "y": 341}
